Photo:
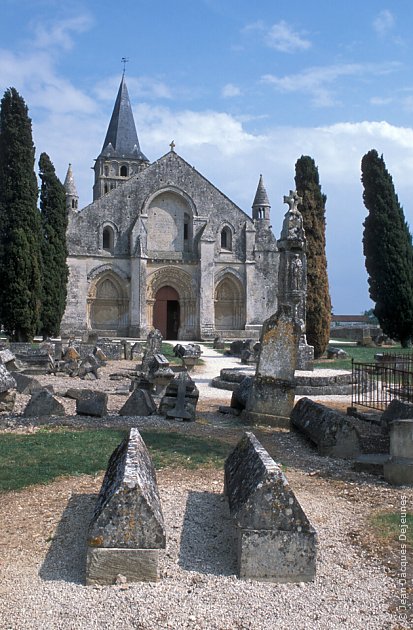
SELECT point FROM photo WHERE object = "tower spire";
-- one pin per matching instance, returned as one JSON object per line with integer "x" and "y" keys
{"x": 121, "y": 156}
{"x": 261, "y": 205}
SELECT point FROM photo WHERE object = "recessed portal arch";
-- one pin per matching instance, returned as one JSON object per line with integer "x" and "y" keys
{"x": 229, "y": 304}
{"x": 166, "y": 312}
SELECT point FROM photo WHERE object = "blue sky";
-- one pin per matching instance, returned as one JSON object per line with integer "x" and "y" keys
{"x": 242, "y": 88}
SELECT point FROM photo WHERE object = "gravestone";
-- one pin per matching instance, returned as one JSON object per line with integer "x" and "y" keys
{"x": 180, "y": 399}
{"x": 92, "y": 403}
{"x": 127, "y": 529}
{"x": 153, "y": 346}
{"x": 398, "y": 470}
{"x": 7, "y": 390}
{"x": 275, "y": 540}
{"x": 271, "y": 397}
{"x": 139, "y": 403}
{"x": 42, "y": 403}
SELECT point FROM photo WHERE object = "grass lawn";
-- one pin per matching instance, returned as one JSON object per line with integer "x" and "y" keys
{"x": 359, "y": 354}
{"x": 36, "y": 458}
{"x": 387, "y": 528}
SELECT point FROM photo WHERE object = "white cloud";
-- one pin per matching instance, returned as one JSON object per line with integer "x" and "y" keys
{"x": 315, "y": 80}
{"x": 138, "y": 87}
{"x": 59, "y": 33}
{"x": 230, "y": 90}
{"x": 284, "y": 39}
{"x": 384, "y": 22}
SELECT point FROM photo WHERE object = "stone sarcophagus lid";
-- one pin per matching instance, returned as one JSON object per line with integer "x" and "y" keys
{"x": 127, "y": 528}
{"x": 275, "y": 540}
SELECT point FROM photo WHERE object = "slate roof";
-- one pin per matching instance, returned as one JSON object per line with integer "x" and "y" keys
{"x": 121, "y": 138}
{"x": 261, "y": 197}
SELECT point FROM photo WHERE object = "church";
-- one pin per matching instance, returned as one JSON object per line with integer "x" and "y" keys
{"x": 160, "y": 246}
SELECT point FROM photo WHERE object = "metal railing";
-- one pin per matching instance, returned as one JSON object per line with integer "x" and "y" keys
{"x": 375, "y": 385}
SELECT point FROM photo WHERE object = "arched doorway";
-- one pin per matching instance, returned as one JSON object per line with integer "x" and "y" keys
{"x": 229, "y": 305}
{"x": 166, "y": 312}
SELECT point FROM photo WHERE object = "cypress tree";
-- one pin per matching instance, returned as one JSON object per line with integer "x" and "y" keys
{"x": 20, "y": 285}
{"x": 387, "y": 246}
{"x": 312, "y": 208}
{"x": 53, "y": 248}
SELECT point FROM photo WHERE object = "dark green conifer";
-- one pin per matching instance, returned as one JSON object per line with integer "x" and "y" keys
{"x": 387, "y": 246}
{"x": 53, "y": 248}
{"x": 312, "y": 209}
{"x": 20, "y": 282}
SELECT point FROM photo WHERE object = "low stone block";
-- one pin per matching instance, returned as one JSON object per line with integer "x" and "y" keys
{"x": 275, "y": 540}
{"x": 332, "y": 432}
{"x": 7, "y": 400}
{"x": 43, "y": 403}
{"x": 92, "y": 404}
{"x": 399, "y": 469}
{"x": 127, "y": 528}
{"x": 136, "y": 565}
{"x": 139, "y": 403}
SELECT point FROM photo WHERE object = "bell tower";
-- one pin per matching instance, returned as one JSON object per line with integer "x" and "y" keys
{"x": 121, "y": 156}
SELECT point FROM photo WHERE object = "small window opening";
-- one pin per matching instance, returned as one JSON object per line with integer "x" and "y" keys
{"x": 123, "y": 171}
{"x": 108, "y": 239}
{"x": 106, "y": 188}
{"x": 226, "y": 239}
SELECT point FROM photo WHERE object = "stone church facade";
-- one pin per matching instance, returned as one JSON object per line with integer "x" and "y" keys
{"x": 160, "y": 246}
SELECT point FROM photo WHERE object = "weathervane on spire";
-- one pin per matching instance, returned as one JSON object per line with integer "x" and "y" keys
{"x": 124, "y": 61}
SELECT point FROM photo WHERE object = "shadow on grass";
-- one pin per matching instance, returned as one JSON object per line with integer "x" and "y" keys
{"x": 66, "y": 558}
{"x": 207, "y": 539}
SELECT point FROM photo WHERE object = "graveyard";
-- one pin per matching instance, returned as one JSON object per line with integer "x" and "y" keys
{"x": 208, "y": 563}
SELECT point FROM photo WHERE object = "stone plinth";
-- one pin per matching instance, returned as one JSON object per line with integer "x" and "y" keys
{"x": 275, "y": 540}
{"x": 399, "y": 469}
{"x": 271, "y": 398}
{"x": 127, "y": 529}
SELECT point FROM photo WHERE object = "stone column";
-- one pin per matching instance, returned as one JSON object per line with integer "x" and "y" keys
{"x": 206, "y": 283}
{"x": 271, "y": 398}
{"x": 138, "y": 320}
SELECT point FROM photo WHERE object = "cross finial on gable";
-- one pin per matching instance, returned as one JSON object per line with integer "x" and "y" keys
{"x": 172, "y": 145}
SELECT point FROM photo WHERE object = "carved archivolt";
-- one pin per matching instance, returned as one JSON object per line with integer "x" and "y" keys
{"x": 178, "y": 279}
{"x": 107, "y": 268}
{"x": 233, "y": 275}
{"x": 107, "y": 281}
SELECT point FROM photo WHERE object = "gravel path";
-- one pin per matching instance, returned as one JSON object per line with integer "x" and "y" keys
{"x": 42, "y": 542}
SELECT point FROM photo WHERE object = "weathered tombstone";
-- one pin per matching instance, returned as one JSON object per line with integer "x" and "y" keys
{"x": 8, "y": 359}
{"x": 180, "y": 399}
{"x": 271, "y": 397}
{"x": 26, "y": 384}
{"x": 189, "y": 354}
{"x": 159, "y": 373}
{"x": 127, "y": 529}
{"x": 88, "y": 368}
{"x": 92, "y": 403}
{"x": 139, "y": 403}
{"x": 332, "y": 432}
{"x": 275, "y": 540}
{"x": 153, "y": 346}
{"x": 218, "y": 343}
{"x": 398, "y": 470}
{"x": 7, "y": 390}
{"x": 42, "y": 403}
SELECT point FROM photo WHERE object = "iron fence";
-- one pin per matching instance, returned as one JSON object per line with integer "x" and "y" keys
{"x": 375, "y": 385}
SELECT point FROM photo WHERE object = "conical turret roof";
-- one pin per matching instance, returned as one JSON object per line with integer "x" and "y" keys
{"x": 121, "y": 138}
{"x": 69, "y": 185}
{"x": 261, "y": 197}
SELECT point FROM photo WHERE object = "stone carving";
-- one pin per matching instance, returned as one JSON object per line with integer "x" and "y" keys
{"x": 180, "y": 399}
{"x": 275, "y": 540}
{"x": 127, "y": 529}
{"x": 189, "y": 354}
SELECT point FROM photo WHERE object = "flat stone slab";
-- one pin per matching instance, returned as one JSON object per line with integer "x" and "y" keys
{"x": 43, "y": 403}
{"x": 275, "y": 540}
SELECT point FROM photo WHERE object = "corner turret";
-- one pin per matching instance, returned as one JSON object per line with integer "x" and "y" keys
{"x": 261, "y": 205}
{"x": 72, "y": 198}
